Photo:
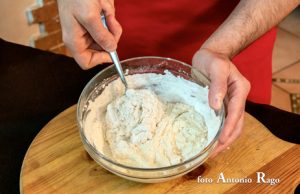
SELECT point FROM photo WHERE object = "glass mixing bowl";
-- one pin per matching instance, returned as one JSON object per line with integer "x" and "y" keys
{"x": 138, "y": 66}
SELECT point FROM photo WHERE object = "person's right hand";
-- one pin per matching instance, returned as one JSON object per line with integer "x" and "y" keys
{"x": 83, "y": 32}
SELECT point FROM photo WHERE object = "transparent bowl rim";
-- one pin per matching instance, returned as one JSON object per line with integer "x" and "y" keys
{"x": 98, "y": 154}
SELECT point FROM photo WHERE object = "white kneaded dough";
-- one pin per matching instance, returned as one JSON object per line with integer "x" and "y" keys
{"x": 143, "y": 131}
{"x": 161, "y": 121}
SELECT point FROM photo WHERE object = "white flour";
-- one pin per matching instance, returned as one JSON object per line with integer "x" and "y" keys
{"x": 162, "y": 120}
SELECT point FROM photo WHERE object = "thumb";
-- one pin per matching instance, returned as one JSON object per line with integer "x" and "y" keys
{"x": 218, "y": 74}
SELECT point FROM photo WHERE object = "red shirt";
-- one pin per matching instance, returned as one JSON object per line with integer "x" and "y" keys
{"x": 178, "y": 28}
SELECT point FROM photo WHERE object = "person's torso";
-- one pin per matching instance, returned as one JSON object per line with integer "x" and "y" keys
{"x": 178, "y": 28}
{"x": 169, "y": 28}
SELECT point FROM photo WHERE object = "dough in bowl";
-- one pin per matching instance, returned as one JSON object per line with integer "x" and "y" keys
{"x": 143, "y": 131}
{"x": 161, "y": 120}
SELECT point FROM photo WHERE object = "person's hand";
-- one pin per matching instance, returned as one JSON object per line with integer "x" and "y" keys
{"x": 83, "y": 32}
{"x": 225, "y": 80}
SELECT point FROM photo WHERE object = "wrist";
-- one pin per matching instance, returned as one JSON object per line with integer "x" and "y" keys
{"x": 218, "y": 51}
{"x": 219, "y": 47}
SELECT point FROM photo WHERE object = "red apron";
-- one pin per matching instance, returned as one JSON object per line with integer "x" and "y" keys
{"x": 177, "y": 29}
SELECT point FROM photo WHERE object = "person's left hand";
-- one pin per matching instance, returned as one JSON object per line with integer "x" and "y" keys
{"x": 225, "y": 79}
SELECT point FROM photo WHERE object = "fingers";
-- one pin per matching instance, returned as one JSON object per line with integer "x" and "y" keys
{"x": 114, "y": 27}
{"x": 112, "y": 23}
{"x": 91, "y": 55}
{"x": 90, "y": 58}
{"x": 92, "y": 23}
{"x": 237, "y": 94}
{"x": 108, "y": 7}
{"x": 84, "y": 33}
{"x": 219, "y": 73}
{"x": 85, "y": 51}
{"x": 236, "y": 133}
{"x": 235, "y": 108}
{"x": 225, "y": 79}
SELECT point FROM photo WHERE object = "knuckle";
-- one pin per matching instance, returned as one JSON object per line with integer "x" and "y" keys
{"x": 89, "y": 17}
{"x": 222, "y": 141}
{"x": 82, "y": 62}
{"x": 195, "y": 59}
{"x": 102, "y": 40}
{"x": 247, "y": 85}
{"x": 83, "y": 66}
{"x": 110, "y": 8}
{"x": 120, "y": 29}
{"x": 102, "y": 59}
{"x": 107, "y": 44}
{"x": 118, "y": 32}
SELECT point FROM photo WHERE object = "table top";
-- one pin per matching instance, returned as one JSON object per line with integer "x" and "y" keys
{"x": 56, "y": 162}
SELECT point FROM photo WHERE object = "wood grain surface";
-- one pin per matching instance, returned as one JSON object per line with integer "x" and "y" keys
{"x": 56, "y": 162}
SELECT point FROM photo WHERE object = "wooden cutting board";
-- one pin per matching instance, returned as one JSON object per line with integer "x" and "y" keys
{"x": 56, "y": 162}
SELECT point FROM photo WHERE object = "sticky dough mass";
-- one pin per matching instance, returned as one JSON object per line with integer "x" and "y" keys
{"x": 144, "y": 131}
{"x": 162, "y": 120}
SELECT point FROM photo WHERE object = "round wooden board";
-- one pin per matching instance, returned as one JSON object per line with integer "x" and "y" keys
{"x": 56, "y": 162}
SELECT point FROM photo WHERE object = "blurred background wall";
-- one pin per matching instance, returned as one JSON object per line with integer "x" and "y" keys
{"x": 13, "y": 23}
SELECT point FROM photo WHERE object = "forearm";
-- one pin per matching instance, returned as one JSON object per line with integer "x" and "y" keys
{"x": 248, "y": 21}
